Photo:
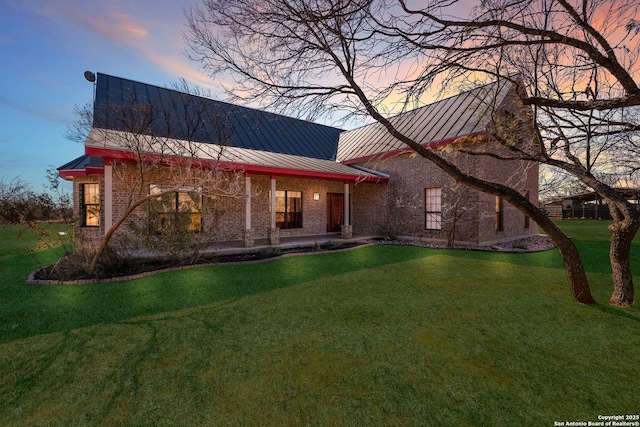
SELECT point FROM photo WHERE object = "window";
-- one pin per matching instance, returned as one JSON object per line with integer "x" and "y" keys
{"x": 177, "y": 209}
{"x": 433, "y": 208}
{"x": 90, "y": 204}
{"x": 289, "y": 209}
{"x": 499, "y": 214}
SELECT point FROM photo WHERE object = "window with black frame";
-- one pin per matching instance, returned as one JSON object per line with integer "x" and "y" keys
{"x": 90, "y": 204}
{"x": 433, "y": 208}
{"x": 288, "y": 209}
{"x": 181, "y": 209}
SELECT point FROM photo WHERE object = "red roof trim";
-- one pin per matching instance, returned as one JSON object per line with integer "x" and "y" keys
{"x": 387, "y": 154}
{"x": 70, "y": 173}
{"x": 237, "y": 167}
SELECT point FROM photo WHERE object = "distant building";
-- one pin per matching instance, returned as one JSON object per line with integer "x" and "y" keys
{"x": 587, "y": 205}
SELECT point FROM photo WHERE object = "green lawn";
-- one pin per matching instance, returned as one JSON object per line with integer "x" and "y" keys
{"x": 382, "y": 335}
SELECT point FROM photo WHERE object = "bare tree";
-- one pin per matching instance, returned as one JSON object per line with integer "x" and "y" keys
{"x": 155, "y": 166}
{"x": 577, "y": 65}
{"x": 20, "y": 204}
{"x": 314, "y": 57}
{"x": 14, "y": 196}
{"x": 27, "y": 211}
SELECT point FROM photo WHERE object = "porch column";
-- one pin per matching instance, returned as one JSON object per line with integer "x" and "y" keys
{"x": 274, "y": 232}
{"x": 346, "y": 228}
{"x": 248, "y": 231}
{"x": 108, "y": 196}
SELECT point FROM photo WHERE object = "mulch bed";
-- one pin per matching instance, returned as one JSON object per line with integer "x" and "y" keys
{"x": 130, "y": 267}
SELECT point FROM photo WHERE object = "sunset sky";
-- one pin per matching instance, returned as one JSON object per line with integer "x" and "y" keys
{"x": 46, "y": 45}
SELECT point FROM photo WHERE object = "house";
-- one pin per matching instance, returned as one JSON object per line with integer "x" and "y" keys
{"x": 297, "y": 178}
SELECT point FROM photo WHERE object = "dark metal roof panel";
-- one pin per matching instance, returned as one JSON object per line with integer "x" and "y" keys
{"x": 225, "y": 124}
{"x": 82, "y": 162}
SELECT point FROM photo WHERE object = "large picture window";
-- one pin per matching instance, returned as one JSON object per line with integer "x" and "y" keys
{"x": 289, "y": 209}
{"x": 90, "y": 204}
{"x": 433, "y": 208}
{"x": 175, "y": 209}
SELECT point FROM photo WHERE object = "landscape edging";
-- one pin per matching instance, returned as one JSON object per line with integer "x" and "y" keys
{"x": 37, "y": 282}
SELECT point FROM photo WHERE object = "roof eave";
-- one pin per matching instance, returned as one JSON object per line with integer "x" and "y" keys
{"x": 72, "y": 173}
{"x": 433, "y": 144}
{"x": 123, "y": 155}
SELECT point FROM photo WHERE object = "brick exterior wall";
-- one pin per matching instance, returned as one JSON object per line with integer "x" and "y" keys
{"x": 223, "y": 218}
{"x": 398, "y": 209}
{"x": 395, "y": 209}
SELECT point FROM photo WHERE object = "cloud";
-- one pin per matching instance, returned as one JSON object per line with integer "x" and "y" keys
{"x": 148, "y": 28}
{"x": 153, "y": 37}
{"x": 50, "y": 114}
{"x": 105, "y": 18}
{"x": 115, "y": 26}
{"x": 181, "y": 67}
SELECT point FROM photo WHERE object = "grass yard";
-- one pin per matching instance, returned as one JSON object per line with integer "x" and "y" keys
{"x": 381, "y": 335}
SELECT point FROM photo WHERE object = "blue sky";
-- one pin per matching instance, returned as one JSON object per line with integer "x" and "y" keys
{"x": 45, "y": 47}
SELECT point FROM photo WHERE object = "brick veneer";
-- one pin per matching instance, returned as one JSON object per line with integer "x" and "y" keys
{"x": 396, "y": 208}
{"x": 223, "y": 218}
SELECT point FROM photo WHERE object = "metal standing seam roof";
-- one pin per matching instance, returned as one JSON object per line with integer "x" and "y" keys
{"x": 464, "y": 114}
{"x": 106, "y": 143}
{"x": 82, "y": 165}
{"x": 224, "y": 123}
{"x": 257, "y": 139}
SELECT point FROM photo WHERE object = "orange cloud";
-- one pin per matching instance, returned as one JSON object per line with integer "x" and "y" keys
{"x": 127, "y": 25}
{"x": 97, "y": 17}
{"x": 181, "y": 68}
{"x": 116, "y": 26}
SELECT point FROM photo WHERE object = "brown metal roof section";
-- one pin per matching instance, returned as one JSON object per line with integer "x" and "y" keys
{"x": 443, "y": 121}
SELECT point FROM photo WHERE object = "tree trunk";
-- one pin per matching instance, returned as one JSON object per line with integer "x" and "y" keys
{"x": 622, "y": 234}
{"x": 107, "y": 237}
{"x": 573, "y": 264}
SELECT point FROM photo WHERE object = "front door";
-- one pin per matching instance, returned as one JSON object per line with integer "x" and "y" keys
{"x": 335, "y": 211}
